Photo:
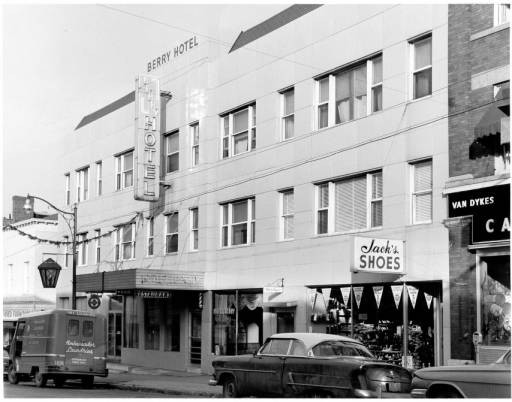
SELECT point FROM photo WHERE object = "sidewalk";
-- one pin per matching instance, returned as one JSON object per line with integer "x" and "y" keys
{"x": 167, "y": 382}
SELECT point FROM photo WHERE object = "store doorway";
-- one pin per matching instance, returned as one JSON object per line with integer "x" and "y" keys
{"x": 115, "y": 321}
{"x": 285, "y": 321}
{"x": 195, "y": 338}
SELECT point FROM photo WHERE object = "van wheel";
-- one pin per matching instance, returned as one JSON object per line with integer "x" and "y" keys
{"x": 229, "y": 388}
{"x": 40, "y": 379}
{"x": 87, "y": 381}
{"x": 12, "y": 375}
{"x": 59, "y": 381}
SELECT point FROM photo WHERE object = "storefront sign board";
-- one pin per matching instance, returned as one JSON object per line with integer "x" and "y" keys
{"x": 378, "y": 255}
{"x": 490, "y": 209}
{"x": 146, "y": 159}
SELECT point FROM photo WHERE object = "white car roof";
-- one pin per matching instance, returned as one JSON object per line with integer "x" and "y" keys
{"x": 310, "y": 339}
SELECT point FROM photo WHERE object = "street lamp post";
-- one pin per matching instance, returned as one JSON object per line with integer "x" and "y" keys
{"x": 28, "y": 207}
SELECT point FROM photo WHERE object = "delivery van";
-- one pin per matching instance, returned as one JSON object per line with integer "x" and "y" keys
{"x": 58, "y": 345}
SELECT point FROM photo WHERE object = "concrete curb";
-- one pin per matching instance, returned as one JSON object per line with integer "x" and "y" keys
{"x": 135, "y": 387}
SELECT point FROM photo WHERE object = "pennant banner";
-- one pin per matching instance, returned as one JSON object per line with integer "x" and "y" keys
{"x": 358, "y": 294}
{"x": 397, "y": 293}
{"x": 413, "y": 294}
{"x": 428, "y": 298}
{"x": 327, "y": 294}
{"x": 377, "y": 291}
{"x": 311, "y": 296}
{"x": 345, "y": 293}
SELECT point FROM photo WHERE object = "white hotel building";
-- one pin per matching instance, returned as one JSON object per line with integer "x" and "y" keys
{"x": 320, "y": 126}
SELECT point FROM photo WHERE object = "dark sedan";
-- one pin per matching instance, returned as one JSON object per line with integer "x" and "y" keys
{"x": 468, "y": 381}
{"x": 310, "y": 365}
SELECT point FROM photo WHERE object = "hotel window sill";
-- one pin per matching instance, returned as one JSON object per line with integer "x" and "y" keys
{"x": 419, "y": 223}
{"x": 345, "y": 122}
{"x": 171, "y": 253}
{"x": 237, "y": 246}
{"x": 348, "y": 232}
{"x": 490, "y": 31}
{"x": 419, "y": 99}
{"x": 286, "y": 240}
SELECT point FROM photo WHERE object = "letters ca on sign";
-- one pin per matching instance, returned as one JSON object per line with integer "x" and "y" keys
{"x": 378, "y": 255}
{"x": 147, "y": 139}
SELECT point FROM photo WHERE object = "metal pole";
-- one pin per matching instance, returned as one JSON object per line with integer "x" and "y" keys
{"x": 352, "y": 315}
{"x": 236, "y": 321}
{"x": 405, "y": 331}
{"x": 73, "y": 290}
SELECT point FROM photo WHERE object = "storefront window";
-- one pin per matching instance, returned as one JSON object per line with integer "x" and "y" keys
{"x": 495, "y": 288}
{"x": 131, "y": 326}
{"x": 172, "y": 329}
{"x": 245, "y": 336}
{"x": 151, "y": 324}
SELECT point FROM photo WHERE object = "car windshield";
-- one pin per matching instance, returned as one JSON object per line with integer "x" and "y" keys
{"x": 340, "y": 348}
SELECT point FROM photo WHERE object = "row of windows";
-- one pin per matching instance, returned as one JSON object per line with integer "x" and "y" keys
{"x": 341, "y": 96}
{"x": 342, "y": 206}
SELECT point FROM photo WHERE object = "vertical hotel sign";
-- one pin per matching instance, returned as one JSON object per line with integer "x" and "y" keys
{"x": 147, "y": 138}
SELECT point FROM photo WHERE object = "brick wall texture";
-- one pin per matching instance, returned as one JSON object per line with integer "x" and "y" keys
{"x": 465, "y": 59}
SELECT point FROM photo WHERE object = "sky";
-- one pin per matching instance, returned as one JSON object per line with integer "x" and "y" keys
{"x": 61, "y": 62}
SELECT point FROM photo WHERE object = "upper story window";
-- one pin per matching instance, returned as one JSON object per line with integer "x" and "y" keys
{"x": 421, "y": 67}
{"x": 124, "y": 170}
{"x": 287, "y": 214}
{"x": 350, "y": 204}
{"x": 421, "y": 186}
{"x": 194, "y": 229}
{"x": 67, "y": 178}
{"x": 82, "y": 184}
{"x": 350, "y": 93}
{"x": 287, "y": 113}
{"x": 125, "y": 242}
{"x": 99, "y": 178}
{"x": 238, "y": 222}
{"x": 150, "y": 236}
{"x": 172, "y": 152}
{"x": 171, "y": 232}
{"x": 501, "y": 14}
{"x": 81, "y": 249}
{"x": 238, "y": 131}
{"x": 502, "y": 154}
{"x": 194, "y": 140}
{"x": 97, "y": 254}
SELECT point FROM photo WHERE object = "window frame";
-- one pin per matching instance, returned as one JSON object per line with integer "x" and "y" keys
{"x": 119, "y": 243}
{"x": 500, "y": 18}
{"x": 412, "y": 53}
{"x": 194, "y": 157}
{"x": 414, "y": 193}
{"x": 121, "y": 171}
{"x": 170, "y": 234}
{"x": 194, "y": 230}
{"x": 331, "y": 98}
{"x": 250, "y": 222}
{"x": 150, "y": 237}
{"x": 229, "y": 136}
{"x": 167, "y": 138}
{"x": 82, "y": 184}
{"x": 283, "y": 215}
{"x": 284, "y": 116}
{"x": 331, "y": 207}
{"x": 99, "y": 178}
{"x": 67, "y": 194}
{"x": 81, "y": 249}
{"x": 97, "y": 246}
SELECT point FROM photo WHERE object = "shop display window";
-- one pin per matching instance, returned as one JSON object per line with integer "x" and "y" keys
{"x": 380, "y": 327}
{"x": 495, "y": 301}
{"x": 245, "y": 336}
{"x": 131, "y": 323}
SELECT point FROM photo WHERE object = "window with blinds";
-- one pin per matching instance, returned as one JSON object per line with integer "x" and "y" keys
{"x": 421, "y": 177}
{"x": 350, "y": 204}
{"x": 287, "y": 215}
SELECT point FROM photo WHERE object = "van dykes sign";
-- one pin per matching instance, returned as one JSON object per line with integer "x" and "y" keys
{"x": 378, "y": 255}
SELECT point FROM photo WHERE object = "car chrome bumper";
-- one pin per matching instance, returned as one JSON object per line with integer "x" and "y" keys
{"x": 418, "y": 393}
{"x": 212, "y": 382}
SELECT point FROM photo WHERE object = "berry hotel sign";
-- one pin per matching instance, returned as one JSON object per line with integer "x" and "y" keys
{"x": 378, "y": 255}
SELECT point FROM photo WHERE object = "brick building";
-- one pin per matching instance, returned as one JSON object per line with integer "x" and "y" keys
{"x": 478, "y": 187}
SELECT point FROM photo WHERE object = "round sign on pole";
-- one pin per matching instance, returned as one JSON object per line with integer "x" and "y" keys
{"x": 94, "y": 302}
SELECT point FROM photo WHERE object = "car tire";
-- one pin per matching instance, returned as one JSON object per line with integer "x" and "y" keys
{"x": 12, "y": 376}
{"x": 40, "y": 379}
{"x": 87, "y": 381}
{"x": 319, "y": 394}
{"x": 59, "y": 381}
{"x": 445, "y": 393}
{"x": 229, "y": 389}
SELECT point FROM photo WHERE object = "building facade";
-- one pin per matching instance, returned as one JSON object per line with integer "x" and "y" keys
{"x": 478, "y": 189}
{"x": 301, "y": 188}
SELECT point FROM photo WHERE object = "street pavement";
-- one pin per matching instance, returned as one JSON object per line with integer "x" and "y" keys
{"x": 166, "y": 382}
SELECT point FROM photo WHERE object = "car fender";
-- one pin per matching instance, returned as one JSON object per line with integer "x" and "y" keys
{"x": 435, "y": 384}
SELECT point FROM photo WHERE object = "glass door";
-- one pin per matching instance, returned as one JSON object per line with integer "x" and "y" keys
{"x": 114, "y": 334}
{"x": 195, "y": 337}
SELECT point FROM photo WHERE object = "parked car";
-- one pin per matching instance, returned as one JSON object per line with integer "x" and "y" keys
{"x": 468, "y": 381}
{"x": 309, "y": 365}
{"x": 58, "y": 345}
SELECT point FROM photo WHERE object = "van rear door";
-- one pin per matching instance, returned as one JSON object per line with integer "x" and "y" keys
{"x": 80, "y": 345}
